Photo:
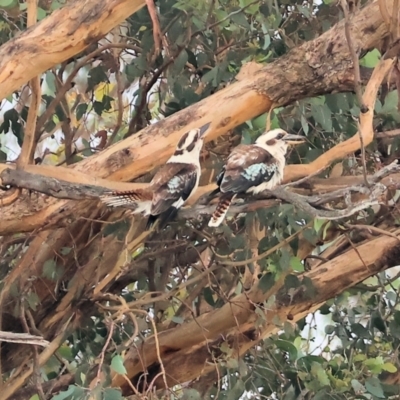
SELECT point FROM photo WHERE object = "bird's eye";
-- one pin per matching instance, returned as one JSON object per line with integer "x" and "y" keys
{"x": 280, "y": 136}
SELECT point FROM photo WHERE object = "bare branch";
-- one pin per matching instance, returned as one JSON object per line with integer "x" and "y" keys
{"x": 30, "y": 138}
{"x": 24, "y": 338}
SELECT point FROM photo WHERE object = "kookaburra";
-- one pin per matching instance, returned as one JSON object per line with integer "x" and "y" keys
{"x": 171, "y": 186}
{"x": 252, "y": 169}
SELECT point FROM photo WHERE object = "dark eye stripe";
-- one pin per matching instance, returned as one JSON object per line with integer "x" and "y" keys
{"x": 182, "y": 140}
{"x": 191, "y": 146}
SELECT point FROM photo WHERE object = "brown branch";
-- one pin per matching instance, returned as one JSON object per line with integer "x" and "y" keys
{"x": 120, "y": 104}
{"x": 68, "y": 83}
{"x": 23, "y": 338}
{"x": 384, "y": 12}
{"x": 387, "y": 134}
{"x": 236, "y": 318}
{"x": 66, "y": 190}
{"x": 354, "y": 56}
{"x": 354, "y": 143}
{"x": 50, "y": 186}
{"x": 64, "y": 33}
{"x": 157, "y": 35}
{"x": 310, "y": 74}
{"x": 15, "y": 383}
{"x": 30, "y": 137}
{"x": 394, "y": 22}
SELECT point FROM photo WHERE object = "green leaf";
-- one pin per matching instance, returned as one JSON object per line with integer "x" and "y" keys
{"x": 371, "y": 59}
{"x": 289, "y": 347}
{"x": 8, "y": 3}
{"x": 374, "y": 387}
{"x": 329, "y": 329}
{"x": 389, "y": 367}
{"x": 179, "y": 63}
{"x": 296, "y": 264}
{"x": 72, "y": 390}
{"x": 41, "y": 14}
{"x": 357, "y": 386}
{"x": 391, "y": 101}
{"x": 52, "y": 271}
{"x": 322, "y": 115}
{"x": 96, "y": 76}
{"x": 237, "y": 391}
{"x": 318, "y": 371}
{"x": 33, "y": 300}
{"x": 208, "y": 296}
{"x": 177, "y": 320}
{"x": 117, "y": 364}
{"x": 112, "y": 394}
{"x": 3, "y": 156}
{"x": 65, "y": 250}
{"x": 266, "y": 282}
{"x": 191, "y": 394}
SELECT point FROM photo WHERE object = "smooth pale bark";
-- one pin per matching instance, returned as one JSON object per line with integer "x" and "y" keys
{"x": 61, "y": 35}
{"x": 317, "y": 67}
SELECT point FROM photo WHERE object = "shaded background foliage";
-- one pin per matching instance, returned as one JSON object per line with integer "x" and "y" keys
{"x": 343, "y": 351}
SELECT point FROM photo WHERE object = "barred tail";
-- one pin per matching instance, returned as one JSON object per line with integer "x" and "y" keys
{"x": 139, "y": 200}
{"x": 222, "y": 208}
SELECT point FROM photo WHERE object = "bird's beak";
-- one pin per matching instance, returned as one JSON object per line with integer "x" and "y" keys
{"x": 204, "y": 128}
{"x": 294, "y": 139}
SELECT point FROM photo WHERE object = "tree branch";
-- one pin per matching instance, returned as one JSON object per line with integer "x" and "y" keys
{"x": 30, "y": 137}
{"x": 61, "y": 35}
{"x": 235, "y": 320}
{"x": 66, "y": 190}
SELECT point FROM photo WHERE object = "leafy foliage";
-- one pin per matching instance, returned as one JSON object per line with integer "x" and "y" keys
{"x": 345, "y": 350}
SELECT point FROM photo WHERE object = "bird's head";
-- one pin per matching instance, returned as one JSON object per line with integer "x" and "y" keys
{"x": 278, "y": 141}
{"x": 190, "y": 144}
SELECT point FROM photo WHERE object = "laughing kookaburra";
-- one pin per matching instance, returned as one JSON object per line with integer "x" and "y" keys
{"x": 171, "y": 186}
{"x": 252, "y": 169}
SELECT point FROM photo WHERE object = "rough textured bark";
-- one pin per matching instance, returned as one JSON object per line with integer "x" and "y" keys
{"x": 63, "y": 34}
{"x": 317, "y": 67}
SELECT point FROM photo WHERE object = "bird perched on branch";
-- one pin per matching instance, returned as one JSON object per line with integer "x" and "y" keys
{"x": 252, "y": 169}
{"x": 170, "y": 187}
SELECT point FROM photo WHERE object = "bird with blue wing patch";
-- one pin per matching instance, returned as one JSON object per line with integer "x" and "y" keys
{"x": 252, "y": 169}
{"x": 171, "y": 186}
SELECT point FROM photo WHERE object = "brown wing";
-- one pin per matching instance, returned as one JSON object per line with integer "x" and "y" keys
{"x": 247, "y": 166}
{"x": 172, "y": 185}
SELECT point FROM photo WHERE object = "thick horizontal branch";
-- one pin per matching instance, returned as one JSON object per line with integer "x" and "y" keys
{"x": 50, "y": 186}
{"x": 317, "y": 67}
{"x": 61, "y": 35}
{"x": 66, "y": 190}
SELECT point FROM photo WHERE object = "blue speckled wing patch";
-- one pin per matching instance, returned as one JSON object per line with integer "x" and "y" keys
{"x": 175, "y": 183}
{"x": 254, "y": 171}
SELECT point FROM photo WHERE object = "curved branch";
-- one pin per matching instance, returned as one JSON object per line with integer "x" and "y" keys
{"x": 354, "y": 143}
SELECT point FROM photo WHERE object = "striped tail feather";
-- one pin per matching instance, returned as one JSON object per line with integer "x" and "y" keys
{"x": 139, "y": 200}
{"x": 219, "y": 214}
